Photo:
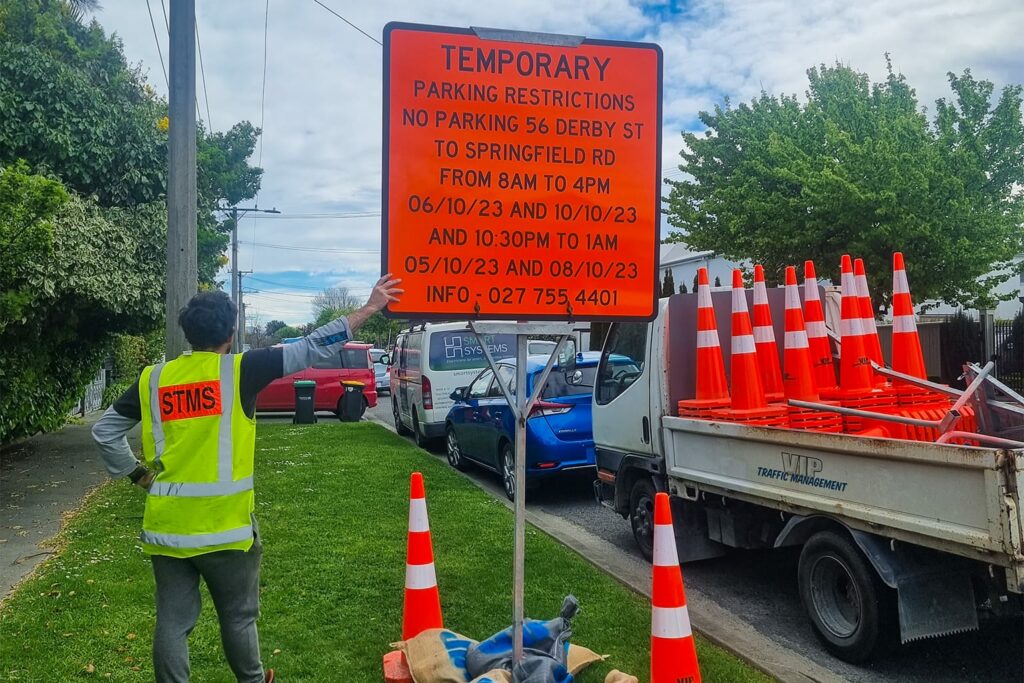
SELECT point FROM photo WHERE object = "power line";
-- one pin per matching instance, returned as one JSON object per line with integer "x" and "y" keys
{"x": 202, "y": 71}
{"x": 157, "y": 41}
{"x": 349, "y": 22}
{"x": 311, "y": 216}
{"x": 263, "y": 100}
{"x": 291, "y": 247}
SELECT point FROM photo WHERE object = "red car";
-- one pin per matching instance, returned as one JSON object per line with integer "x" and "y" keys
{"x": 352, "y": 363}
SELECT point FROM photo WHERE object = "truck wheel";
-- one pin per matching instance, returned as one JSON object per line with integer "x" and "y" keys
{"x": 417, "y": 436}
{"x": 852, "y": 611}
{"x": 641, "y": 515}
{"x": 400, "y": 428}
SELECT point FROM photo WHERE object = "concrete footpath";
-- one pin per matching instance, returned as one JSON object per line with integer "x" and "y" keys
{"x": 42, "y": 479}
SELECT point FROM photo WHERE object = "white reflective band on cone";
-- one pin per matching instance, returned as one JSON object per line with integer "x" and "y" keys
{"x": 760, "y": 294}
{"x": 811, "y": 290}
{"x": 703, "y": 296}
{"x": 739, "y": 301}
{"x": 420, "y": 576}
{"x": 743, "y": 344}
{"x": 418, "y": 515}
{"x": 707, "y": 338}
{"x": 816, "y": 328}
{"x": 670, "y": 622}
{"x": 796, "y": 340}
{"x": 903, "y": 323}
{"x": 665, "y": 554}
{"x": 900, "y": 285}
{"x": 792, "y": 297}
{"x": 764, "y": 334}
{"x": 850, "y": 328}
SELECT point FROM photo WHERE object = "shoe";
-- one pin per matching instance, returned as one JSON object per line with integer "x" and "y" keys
{"x": 270, "y": 676}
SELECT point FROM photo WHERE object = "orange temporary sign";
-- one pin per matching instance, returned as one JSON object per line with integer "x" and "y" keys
{"x": 521, "y": 174}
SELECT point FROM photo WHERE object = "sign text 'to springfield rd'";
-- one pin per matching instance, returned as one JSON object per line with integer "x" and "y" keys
{"x": 521, "y": 179}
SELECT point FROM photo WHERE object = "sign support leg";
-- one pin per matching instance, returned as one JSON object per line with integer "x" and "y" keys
{"x": 519, "y": 552}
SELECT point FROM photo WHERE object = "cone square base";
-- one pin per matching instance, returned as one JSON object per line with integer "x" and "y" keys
{"x": 695, "y": 407}
{"x": 396, "y": 669}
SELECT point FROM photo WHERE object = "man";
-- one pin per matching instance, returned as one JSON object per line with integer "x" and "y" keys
{"x": 198, "y": 442}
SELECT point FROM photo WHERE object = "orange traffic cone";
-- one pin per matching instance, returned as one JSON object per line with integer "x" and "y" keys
{"x": 906, "y": 345}
{"x": 422, "y": 608}
{"x": 798, "y": 375}
{"x": 764, "y": 340}
{"x": 855, "y": 373}
{"x": 749, "y": 404}
{"x": 673, "y": 652}
{"x": 817, "y": 334}
{"x": 712, "y": 389}
{"x": 867, "y": 316}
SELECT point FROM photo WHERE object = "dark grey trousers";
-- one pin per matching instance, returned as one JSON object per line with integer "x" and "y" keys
{"x": 233, "y": 578}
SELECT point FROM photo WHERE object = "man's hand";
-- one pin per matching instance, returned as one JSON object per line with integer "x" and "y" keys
{"x": 142, "y": 476}
{"x": 384, "y": 292}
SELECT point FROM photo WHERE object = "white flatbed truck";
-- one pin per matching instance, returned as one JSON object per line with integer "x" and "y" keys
{"x": 901, "y": 540}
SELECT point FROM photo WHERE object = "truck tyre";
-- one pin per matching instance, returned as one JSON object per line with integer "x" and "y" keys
{"x": 853, "y": 612}
{"x": 400, "y": 428}
{"x": 421, "y": 440}
{"x": 641, "y": 515}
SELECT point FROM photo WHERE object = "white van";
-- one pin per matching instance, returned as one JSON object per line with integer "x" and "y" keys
{"x": 432, "y": 360}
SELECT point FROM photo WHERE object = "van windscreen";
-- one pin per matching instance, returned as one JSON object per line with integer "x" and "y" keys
{"x": 461, "y": 350}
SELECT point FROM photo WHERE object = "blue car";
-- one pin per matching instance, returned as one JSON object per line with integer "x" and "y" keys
{"x": 559, "y": 435}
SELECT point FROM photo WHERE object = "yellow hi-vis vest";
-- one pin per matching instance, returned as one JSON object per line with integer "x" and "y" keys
{"x": 197, "y": 438}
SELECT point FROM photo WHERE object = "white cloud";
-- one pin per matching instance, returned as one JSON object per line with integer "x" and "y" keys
{"x": 322, "y": 141}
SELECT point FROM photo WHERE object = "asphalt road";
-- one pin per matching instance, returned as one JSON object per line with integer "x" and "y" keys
{"x": 760, "y": 587}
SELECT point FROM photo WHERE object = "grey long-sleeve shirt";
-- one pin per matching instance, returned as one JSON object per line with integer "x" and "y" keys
{"x": 259, "y": 368}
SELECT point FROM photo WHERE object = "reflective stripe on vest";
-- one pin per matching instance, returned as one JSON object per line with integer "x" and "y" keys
{"x": 242, "y": 533}
{"x": 184, "y": 490}
{"x": 157, "y": 427}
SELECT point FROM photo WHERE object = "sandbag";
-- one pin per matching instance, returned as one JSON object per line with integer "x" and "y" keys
{"x": 616, "y": 676}
{"x": 437, "y": 656}
{"x": 579, "y": 658}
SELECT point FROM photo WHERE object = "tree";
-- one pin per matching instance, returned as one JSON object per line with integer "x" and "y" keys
{"x": 668, "y": 285}
{"x": 273, "y": 326}
{"x": 858, "y": 169}
{"x": 682, "y": 288}
{"x": 286, "y": 332}
{"x": 718, "y": 281}
{"x": 336, "y": 299}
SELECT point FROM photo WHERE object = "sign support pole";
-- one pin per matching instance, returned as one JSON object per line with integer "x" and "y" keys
{"x": 521, "y": 405}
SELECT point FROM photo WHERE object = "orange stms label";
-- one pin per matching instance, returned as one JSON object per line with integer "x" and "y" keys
{"x": 184, "y": 401}
{"x": 521, "y": 179}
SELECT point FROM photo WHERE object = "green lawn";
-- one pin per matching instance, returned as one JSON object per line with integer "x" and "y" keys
{"x": 332, "y": 505}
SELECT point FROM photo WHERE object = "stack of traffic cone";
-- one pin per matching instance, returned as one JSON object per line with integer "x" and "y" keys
{"x": 916, "y": 402}
{"x": 422, "y": 607}
{"x": 856, "y": 377}
{"x": 749, "y": 404}
{"x": 817, "y": 333}
{"x": 673, "y": 652}
{"x": 712, "y": 387}
{"x": 798, "y": 376}
{"x": 764, "y": 341}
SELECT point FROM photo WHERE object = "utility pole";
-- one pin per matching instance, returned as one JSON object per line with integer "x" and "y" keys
{"x": 236, "y": 281}
{"x": 182, "y": 270}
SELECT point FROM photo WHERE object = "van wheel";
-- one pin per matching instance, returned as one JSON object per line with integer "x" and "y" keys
{"x": 641, "y": 515}
{"x": 454, "y": 450}
{"x": 853, "y": 612}
{"x": 417, "y": 435}
{"x": 400, "y": 428}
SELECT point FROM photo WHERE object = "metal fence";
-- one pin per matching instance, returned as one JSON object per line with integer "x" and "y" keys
{"x": 1008, "y": 348}
{"x": 92, "y": 399}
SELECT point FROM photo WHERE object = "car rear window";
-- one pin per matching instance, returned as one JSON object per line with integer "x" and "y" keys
{"x": 347, "y": 359}
{"x": 580, "y": 381}
{"x": 461, "y": 350}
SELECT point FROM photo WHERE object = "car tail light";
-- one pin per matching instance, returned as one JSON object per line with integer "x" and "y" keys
{"x": 546, "y": 408}
{"x": 428, "y": 397}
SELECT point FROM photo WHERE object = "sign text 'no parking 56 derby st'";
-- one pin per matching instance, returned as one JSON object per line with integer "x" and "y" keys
{"x": 521, "y": 174}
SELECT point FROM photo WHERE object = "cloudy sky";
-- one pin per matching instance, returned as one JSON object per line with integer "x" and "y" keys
{"x": 321, "y": 147}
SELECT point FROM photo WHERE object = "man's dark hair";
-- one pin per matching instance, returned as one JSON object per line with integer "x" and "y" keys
{"x": 208, "y": 320}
